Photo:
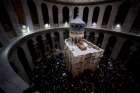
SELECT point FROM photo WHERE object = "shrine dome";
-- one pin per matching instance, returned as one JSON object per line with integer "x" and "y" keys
{"x": 77, "y": 24}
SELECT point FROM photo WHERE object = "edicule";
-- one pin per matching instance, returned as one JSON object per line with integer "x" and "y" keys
{"x": 80, "y": 54}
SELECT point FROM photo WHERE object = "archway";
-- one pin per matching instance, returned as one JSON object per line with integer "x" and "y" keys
{"x": 125, "y": 50}
{"x": 76, "y": 11}
{"x": 55, "y": 14}
{"x": 110, "y": 46}
{"x": 106, "y": 15}
{"x": 122, "y": 12}
{"x": 65, "y": 14}
{"x": 45, "y": 13}
{"x": 95, "y": 14}
{"x": 33, "y": 11}
{"x": 85, "y": 14}
{"x": 24, "y": 61}
{"x": 100, "y": 39}
{"x": 91, "y": 37}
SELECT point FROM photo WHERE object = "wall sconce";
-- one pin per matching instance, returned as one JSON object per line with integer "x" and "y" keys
{"x": 66, "y": 24}
{"x": 94, "y": 24}
{"x": 117, "y": 27}
{"x": 25, "y": 29}
{"x": 47, "y": 26}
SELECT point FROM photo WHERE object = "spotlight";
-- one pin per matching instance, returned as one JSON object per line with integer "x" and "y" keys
{"x": 118, "y": 26}
{"x": 23, "y": 26}
{"x": 94, "y": 24}
{"x": 47, "y": 26}
{"x": 25, "y": 29}
{"x": 66, "y": 24}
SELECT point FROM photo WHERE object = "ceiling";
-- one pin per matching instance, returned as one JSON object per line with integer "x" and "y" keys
{"x": 80, "y": 1}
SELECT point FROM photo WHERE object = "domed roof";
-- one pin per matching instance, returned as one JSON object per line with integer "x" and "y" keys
{"x": 77, "y": 20}
{"x": 77, "y": 24}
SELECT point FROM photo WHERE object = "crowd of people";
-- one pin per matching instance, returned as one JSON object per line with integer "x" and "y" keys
{"x": 51, "y": 76}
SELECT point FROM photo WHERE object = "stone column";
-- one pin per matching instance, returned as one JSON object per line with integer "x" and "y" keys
{"x": 52, "y": 38}
{"x": 105, "y": 40}
{"x": 45, "y": 44}
{"x": 4, "y": 39}
{"x": 71, "y": 13}
{"x": 28, "y": 55}
{"x": 37, "y": 49}
{"x": 87, "y": 34}
{"x": 60, "y": 15}
{"x": 50, "y": 14}
{"x": 39, "y": 12}
{"x": 90, "y": 15}
{"x": 61, "y": 39}
{"x": 27, "y": 15}
{"x": 117, "y": 47}
{"x": 129, "y": 20}
{"x": 13, "y": 17}
{"x": 80, "y": 11}
{"x": 11, "y": 82}
{"x": 96, "y": 37}
{"x": 113, "y": 15}
{"x": 101, "y": 15}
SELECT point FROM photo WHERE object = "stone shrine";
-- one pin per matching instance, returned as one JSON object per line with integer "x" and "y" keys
{"x": 80, "y": 54}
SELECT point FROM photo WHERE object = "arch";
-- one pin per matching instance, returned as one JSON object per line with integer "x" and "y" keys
{"x": 95, "y": 14}
{"x": 125, "y": 50}
{"x": 55, "y": 14}
{"x": 17, "y": 5}
{"x": 100, "y": 39}
{"x": 22, "y": 58}
{"x": 45, "y": 13}
{"x": 133, "y": 60}
{"x": 56, "y": 36}
{"x": 122, "y": 12}
{"x": 91, "y": 37}
{"x": 76, "y": 11}
{"x": 66, "y": 34}
{"x": 33, "y": 11}
{"x": 85, "y": 14}
{"x": 106, "y": 15}
{"x": 65, "y": 14}
{"x": 5, "y": 20}
{"x": 110, "y": 46}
